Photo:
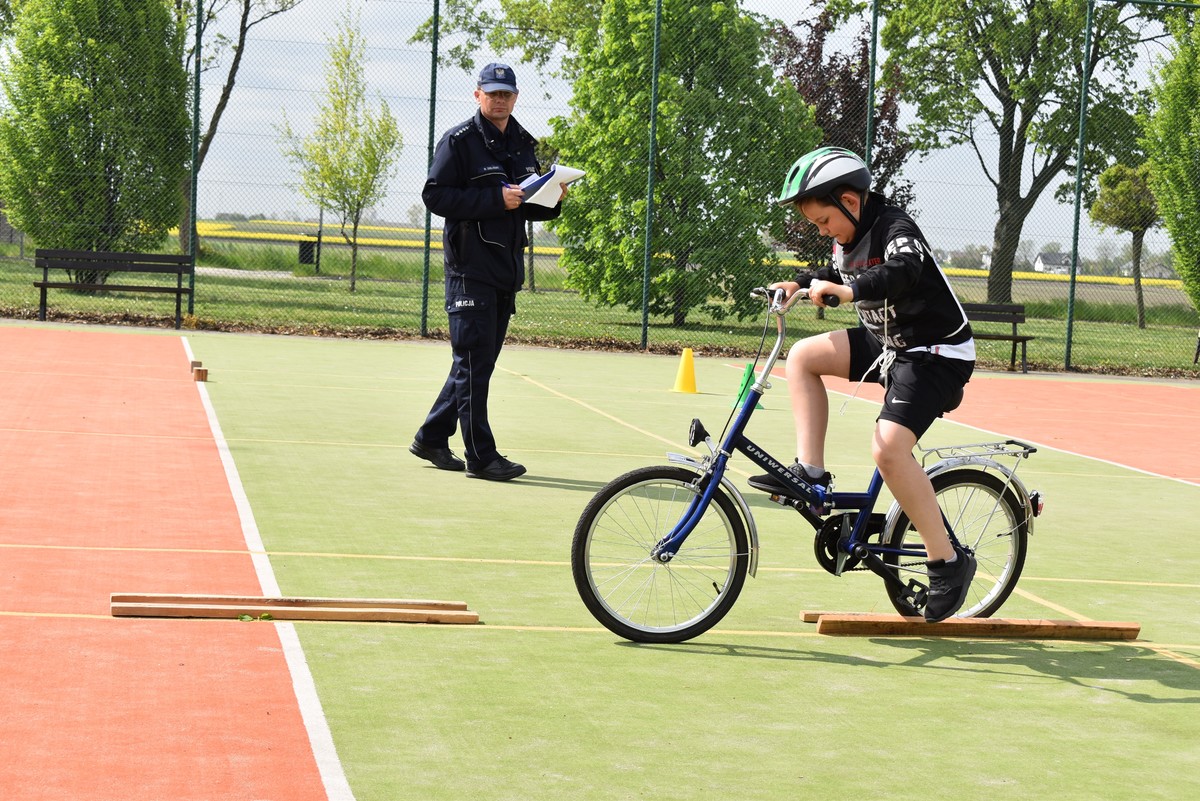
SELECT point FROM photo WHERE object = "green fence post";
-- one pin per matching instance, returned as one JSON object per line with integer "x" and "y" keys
{"x": 193, "y": 242}
{"x": 650, "y": 177}
{"x": 1083, "y": 98}
{"x": 871, "y": 86}
{"x": 433, "y": 71}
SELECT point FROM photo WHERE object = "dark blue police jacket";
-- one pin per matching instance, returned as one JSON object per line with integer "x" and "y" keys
{"x": 482, "y": 241}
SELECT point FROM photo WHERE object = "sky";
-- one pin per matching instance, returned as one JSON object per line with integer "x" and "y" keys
{"x": 283, "y": 73}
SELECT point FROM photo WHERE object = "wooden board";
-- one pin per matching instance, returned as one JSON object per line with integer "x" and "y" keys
{"x": 893, "y": 625}
{"x": 233, "y": 600}
{"x": 346, "y": 609}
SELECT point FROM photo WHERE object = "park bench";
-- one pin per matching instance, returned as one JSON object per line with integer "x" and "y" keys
{"x": 1009, "y": 313}
{"x": 93, "y": 261}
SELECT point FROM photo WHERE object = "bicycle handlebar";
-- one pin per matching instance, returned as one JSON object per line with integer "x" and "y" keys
{"x": 775, "y": 298}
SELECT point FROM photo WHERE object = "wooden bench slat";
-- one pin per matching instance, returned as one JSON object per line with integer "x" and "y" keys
{"x": 1005, "y": 337}
{"x": 113, "y": 255}
{"x": 110, "y": 287}
{"x": 115, "y": 266}
{"x": 987, "y": 317}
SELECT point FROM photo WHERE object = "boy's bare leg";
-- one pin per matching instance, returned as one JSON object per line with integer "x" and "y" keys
{"x": 893, "y": 452}
{"x": 807, "y": 361}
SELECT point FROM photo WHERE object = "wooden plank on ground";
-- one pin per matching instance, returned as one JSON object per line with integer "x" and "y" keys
{"x": 809, "y": 616}
{"x": 272, "y": 608}
{"x": 864, "y": 625}
{"x": 295, "y": 601}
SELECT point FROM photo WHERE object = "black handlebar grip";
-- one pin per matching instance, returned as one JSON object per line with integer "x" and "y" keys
{"x": 831, "y": 300}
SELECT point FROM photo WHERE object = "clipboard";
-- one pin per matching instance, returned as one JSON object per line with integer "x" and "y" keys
{"x": 544, "y": 189}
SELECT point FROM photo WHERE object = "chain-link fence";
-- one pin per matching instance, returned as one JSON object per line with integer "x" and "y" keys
{"x": 974, "y": 128}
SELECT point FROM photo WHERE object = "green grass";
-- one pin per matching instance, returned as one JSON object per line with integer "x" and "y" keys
{"x": 539, "y": 702}
{"x": 1160, "y": 314}
{"x": 261, "y": 287}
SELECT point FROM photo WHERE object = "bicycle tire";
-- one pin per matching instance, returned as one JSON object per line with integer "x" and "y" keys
{"x": 638, "y": 597}
{"x": 989, "y": 518}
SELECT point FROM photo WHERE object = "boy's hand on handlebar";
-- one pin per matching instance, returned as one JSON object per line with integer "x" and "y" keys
{"x": 789, "y": 288}
{"x": 820, "y": 292}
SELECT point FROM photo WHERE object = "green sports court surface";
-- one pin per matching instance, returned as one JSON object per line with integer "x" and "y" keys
{"x": 538, "y": 701}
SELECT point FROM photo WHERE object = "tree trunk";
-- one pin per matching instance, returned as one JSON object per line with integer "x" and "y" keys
{"x": 529, "y": 268}
{"x": 679, "y": 302}
{"x": 245, "y": 23}
{"x": 185, "y": 218}
{"x": 1006, "y": 238}
{"x": 1136, "y": 258}
{"x": 353, "y": 240}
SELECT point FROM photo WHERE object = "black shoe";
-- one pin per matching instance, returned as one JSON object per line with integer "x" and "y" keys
{"x": 948, "y": 586}
{"x": 499, "y": 469}
{"x": 769, "y": 483}
{"x": 442, "y": 458}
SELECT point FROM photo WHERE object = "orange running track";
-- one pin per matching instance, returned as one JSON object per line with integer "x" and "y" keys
{"x": 108, "y": 465}
{"x": 1144, "y": 424}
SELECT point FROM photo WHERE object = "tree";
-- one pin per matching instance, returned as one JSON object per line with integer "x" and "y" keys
{"x": 249, "y": 14}
{"x": 536, "y": 29}
{"x": 1126, "y": 202}
{"x": 1004, "y": 79}
{"x": 1172, "y": 139}
{"x": 94, "y": 139}
{"x": 835, "y": 84}
{"x": 345, "y": 164}
{"x": 727, "y": 131}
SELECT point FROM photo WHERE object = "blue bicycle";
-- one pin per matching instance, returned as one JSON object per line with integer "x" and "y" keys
{"x": 661, "y": 553}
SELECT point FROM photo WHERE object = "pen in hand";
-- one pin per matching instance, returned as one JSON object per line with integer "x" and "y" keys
{"x": 513, "y": 198}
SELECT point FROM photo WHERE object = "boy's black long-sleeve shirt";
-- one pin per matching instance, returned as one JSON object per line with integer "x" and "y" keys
{"x": 901, "y": 294}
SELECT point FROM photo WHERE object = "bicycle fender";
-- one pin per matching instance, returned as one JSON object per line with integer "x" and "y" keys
{"x": 981, "y": 463}
{"x": 739, "y": 501}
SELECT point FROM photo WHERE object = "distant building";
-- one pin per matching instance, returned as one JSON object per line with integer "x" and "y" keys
{"x": 1148, "y": 270}
{"x": 1053, "y": 263}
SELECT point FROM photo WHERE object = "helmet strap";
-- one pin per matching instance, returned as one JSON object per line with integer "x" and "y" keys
{"x": 835, "y": 200}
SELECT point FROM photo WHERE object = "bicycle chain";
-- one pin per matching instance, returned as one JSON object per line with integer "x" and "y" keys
{"x": 902, "y": 564}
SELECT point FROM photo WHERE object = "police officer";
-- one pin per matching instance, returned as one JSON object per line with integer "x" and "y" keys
{"x": 474, "y": 183}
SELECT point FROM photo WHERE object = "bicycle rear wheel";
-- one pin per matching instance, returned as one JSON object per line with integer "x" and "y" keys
{"x": 988, "y": 518}
{"x": 638, "y": 597}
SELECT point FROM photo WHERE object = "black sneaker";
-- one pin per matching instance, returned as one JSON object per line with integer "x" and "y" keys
{"x": 948, "y": 586}
{"x": 499, "y": 469}
{"x": 769, "y": 483}
{"x": 442, "y": 458}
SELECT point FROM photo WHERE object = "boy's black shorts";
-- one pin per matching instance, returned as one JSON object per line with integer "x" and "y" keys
{"x": 920, "y": 385}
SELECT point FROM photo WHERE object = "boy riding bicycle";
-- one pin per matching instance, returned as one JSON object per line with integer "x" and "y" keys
{"x": 914, "y": 339}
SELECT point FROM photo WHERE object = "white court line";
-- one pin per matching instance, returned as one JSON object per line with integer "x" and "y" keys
{"x": 337, "y": 788}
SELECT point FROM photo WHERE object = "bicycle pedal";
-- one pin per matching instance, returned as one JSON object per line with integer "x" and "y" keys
{"x": 916, "y": 594}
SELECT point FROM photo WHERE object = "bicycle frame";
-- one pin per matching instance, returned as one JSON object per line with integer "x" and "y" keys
{"x": 817, "y": 500}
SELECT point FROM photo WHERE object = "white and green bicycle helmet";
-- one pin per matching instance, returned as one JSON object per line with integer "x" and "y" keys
{"x": 819, "y": 173}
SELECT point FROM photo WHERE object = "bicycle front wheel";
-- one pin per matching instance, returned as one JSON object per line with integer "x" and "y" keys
{"x": 987, "y": 517}
{"x": 638, "y": 597}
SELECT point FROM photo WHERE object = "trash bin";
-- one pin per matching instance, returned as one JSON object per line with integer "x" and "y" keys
{"x": 307, "y": 251}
